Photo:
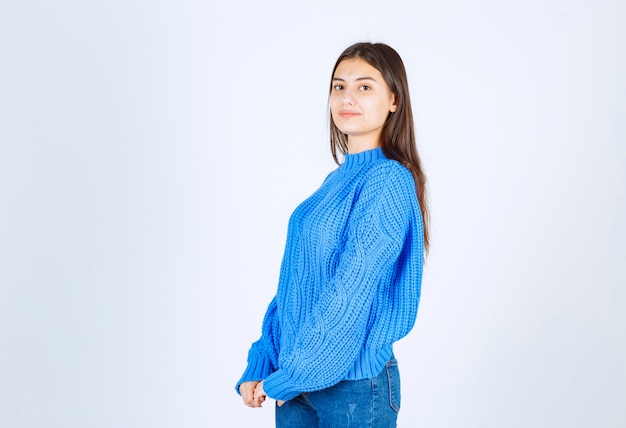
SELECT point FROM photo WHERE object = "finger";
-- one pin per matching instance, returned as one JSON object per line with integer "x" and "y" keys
{"x": 247, "y": 399}
{"x": 246, "y": 390}
{"x": 259, "y": 394}
{"x": 251, "y": 401}
{"x": 280, "y": 402}
{"x": 258, "y": 399}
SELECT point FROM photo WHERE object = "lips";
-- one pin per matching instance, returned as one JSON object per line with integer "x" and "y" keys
{"x": 346, "y": 114}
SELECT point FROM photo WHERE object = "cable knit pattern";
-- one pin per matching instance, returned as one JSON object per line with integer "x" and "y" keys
{"x": 349, "y": 282}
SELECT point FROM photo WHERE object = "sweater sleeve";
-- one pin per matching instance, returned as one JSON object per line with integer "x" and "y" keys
{"x": 334, "y": 331}
{"x": 263, "y": 354}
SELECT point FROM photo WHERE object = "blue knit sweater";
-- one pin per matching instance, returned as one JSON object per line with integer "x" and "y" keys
{"x": 349, "y": 282}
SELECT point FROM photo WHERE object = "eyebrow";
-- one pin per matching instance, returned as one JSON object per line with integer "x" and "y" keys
{"x": 357, "y": 79}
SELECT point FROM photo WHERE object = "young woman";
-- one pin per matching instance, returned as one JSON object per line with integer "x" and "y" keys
{"x": 351, "y": 274}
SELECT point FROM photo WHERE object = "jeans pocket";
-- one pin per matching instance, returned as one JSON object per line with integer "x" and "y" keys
{"x": 393, "y": 378}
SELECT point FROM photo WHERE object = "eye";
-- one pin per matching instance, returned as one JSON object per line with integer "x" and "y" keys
{"x": 364, "y": 88}
{"x": 338, "y": 87}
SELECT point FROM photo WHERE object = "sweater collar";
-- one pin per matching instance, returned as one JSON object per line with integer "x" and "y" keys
{"x": 353, "y": 161}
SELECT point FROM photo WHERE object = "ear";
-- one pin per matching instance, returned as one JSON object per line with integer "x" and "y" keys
{"x": 394, "y": 103}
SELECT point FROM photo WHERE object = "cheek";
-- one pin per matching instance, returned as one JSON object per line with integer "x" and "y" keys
{"x": 335, "y": 108}
{"x": 382, "y": 110}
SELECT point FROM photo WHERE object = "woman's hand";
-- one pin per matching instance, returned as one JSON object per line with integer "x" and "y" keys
{"x": 253, "y": 395}
{"x": 246, "y": 389}
{"x": 259, "y": 395}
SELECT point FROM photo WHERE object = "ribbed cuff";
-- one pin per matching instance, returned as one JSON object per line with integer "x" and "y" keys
{"x": 258, "y": 369}
{"x": 280, "y": 387}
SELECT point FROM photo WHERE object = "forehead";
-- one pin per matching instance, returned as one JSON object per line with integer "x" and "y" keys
{"x": 355, "y": 68}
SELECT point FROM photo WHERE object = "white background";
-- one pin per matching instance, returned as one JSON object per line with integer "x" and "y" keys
{"x": 151, "y": 153}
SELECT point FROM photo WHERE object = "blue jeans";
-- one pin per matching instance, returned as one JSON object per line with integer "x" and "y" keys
{"x": 365, "y": 403}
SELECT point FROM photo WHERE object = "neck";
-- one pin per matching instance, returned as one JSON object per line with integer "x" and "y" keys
{"x": 357, "y": 145}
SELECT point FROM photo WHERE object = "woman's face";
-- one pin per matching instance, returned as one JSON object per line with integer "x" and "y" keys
{"x": 360, "y": 102}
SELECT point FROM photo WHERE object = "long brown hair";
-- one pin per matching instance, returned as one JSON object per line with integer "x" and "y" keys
{"x": 398, "y": 135}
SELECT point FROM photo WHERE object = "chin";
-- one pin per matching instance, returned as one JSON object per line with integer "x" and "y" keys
{"x": 349, "y": 131}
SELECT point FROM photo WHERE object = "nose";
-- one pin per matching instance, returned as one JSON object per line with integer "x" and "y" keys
{"x": 348, "y": 97}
